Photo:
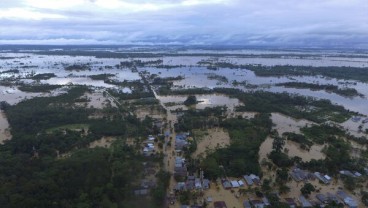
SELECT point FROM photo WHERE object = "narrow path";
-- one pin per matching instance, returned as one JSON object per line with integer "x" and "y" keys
{"x": 169, "y": 150}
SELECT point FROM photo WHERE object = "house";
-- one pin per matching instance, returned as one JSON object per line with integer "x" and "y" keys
{"x": 328, "y": 178}
{"x": 266, "y": 202}
{"x": 197, "y": 183}
{"x": 304, "y": 202}
{"x": 190, "y": 185}
{"x": 257, "y": 203}
{"x": 226, "y": 184}
{"x": 206, "y": 184}
{"x": 248, "y": 180}
{"x": 241, "y": 183}
{"x": 180, "y": 186}
{"x": 300, "y": 175}
{"x": 151, "y": 138}
{"x": 357, "y": 174}
{"x": 246, "y": 204}
{"x": 346, "y": 173}
{"x": 322, "y": 198}
{"x": 332, "y": 197}
{"x": 145, "y": 183}
{"x": 255, "y": 179}
{"x": 219, "y": 204}
{"x": 180, "y": 171}
{"x": 291, "y": 202}
{"x": 349, "y": 201}
{"x": 234, "y": 184}
{"x": 323, "y": 178}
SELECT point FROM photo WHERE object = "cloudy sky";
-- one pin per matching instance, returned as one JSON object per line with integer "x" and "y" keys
{"x": 245, "y": 22}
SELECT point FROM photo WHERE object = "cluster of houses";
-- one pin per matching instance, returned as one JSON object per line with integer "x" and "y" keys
{"x": 354, "y": 174}
{"x": 181, "y": 142}
{"x": 249, "y": 179}
{"x": 149, "y": 146}
{"x": 180, "y": 169}
{"x": 193, "y": 183}
{"x": 304, "y": 175}
{"x": 321, "y": 201}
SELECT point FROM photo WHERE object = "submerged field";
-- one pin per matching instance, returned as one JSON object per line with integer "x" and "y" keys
{"x": 262, "y": 112}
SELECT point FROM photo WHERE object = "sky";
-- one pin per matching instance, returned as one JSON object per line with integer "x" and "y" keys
{"x": 310, "y": 23}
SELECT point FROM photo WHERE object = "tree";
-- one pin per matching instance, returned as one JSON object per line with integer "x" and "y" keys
{"x": 282, "y": 175}
{"x": 278, "y": 144}
{"x": 307, "y": 189}
{"x": 191, "y": 100}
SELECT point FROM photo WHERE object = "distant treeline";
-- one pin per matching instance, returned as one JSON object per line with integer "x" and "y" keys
{"x": 348, "y": 92}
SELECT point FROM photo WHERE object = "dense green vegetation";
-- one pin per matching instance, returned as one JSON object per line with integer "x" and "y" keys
{"x": 191, "y": 100}
{"x": 101, "y": 76}
{"x": 349, "y": 92}
{"x": 292, "y": 105}
{"x": 33, "y": 174}
{"x": 241, "y": 157}
{"x": 217, "y": 77}
{"x": 353, "y": 73}
{"x": 14, "y": 71}
{"x": 38, "y": 88}
{"x": 299, "y": 138}
{"x": 321, "y": 133}
{"x": 77, "y": 67}
{"x": 43, "y": 76}
{"x": 199, "y": 119}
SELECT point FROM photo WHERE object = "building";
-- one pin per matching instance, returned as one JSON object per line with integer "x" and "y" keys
{"x": 248, "y": 180}
{"x": 197, "y": 183}
{"x": 301, "y": 175}
{"x": 348, "y": 200}
{"x": 304, "y": 202}
{"x": 234, "y": 184}
{"x": 323, "y": 178}
{"x": 241, "y": 183}
{"x": 291, "y": 202}
{"x": 206, "y": 184}
{"x": 226, "y": 184}
{"x": 219, "y": 204}
{"x": 266, "y": 202}
{"x": 257, "y": 203}
{"x": 246, "y": 204}
{"x": 322, "y": 198}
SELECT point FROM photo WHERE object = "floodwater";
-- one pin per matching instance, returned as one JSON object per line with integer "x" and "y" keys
{"x": 4, "y": 128}
{"x": 293, "y": 149}
{"x": 204, "y": 101}
{"x": 288, "y": 124}
{"x": 197, "y": 76}
{"x": 216, "y": 138}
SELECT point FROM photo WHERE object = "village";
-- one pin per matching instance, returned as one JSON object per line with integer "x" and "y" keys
{"x": 191, "y": 189}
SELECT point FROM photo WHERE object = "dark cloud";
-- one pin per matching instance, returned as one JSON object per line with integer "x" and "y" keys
{"x": 248, "y": 22}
